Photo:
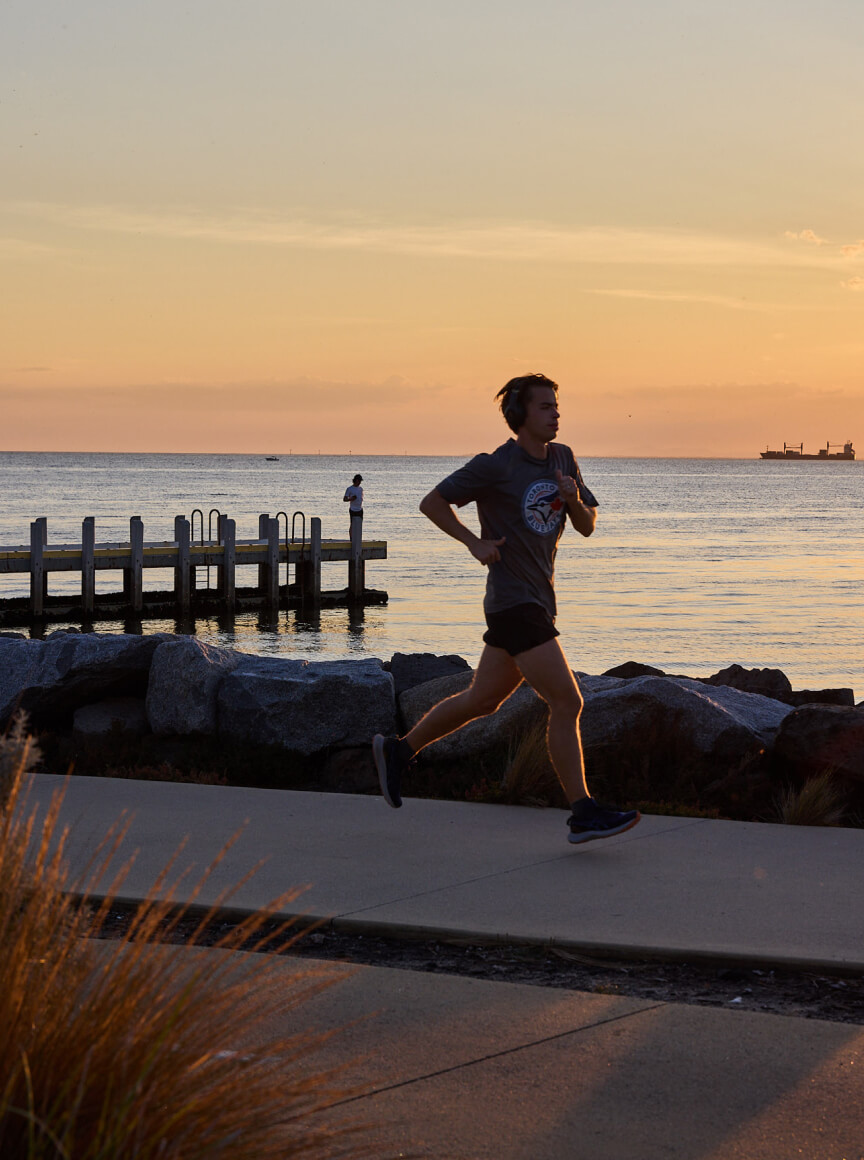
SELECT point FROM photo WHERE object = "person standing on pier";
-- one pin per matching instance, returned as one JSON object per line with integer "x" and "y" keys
{"x": 524, "y": 490}
{"x": 354, "y": 496}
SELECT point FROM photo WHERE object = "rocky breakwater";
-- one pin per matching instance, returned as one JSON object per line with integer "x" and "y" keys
{"x": 646, "y": 737}
{"x": 189, "y": 688}
{"x": 175, "y": 687}
{"x": 722, "y": 742}
{"x": 649, "y": 736}
{"x": 51, "y": 679}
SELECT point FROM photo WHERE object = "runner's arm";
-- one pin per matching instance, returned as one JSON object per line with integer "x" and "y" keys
{"x": 582, "y": 517}
{"x": 436, "y": 508}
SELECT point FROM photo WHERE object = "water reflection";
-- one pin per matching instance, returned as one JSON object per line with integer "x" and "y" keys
{"x": 357, "y": 628}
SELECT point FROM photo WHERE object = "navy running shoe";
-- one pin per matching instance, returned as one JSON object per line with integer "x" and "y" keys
{"x": 392, "y": 759}
{"x": 590, "y": 821}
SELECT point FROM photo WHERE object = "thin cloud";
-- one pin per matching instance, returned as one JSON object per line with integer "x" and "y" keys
{"x": 809, "y": 236}
{"x": 725, "y": 301}
{"x": 855, "y": 284}
{"x": 491, "y": 240}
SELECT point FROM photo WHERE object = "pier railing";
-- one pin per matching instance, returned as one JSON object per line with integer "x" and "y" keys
{"x": 185, "y": 556}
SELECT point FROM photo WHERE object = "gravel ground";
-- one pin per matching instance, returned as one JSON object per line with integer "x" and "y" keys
{"x": 834, "y": 997}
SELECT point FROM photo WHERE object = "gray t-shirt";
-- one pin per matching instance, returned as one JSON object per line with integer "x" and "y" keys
{"x": 517, "y": 498}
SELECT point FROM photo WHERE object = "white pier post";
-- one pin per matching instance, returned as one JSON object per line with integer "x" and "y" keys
{"x": 220, "y": 567}
{"x": 314, "y": 573}
{"x": 356, "y": 564}
{"x": 88, "y": 565}
{"x": 136, "y": 546}
{"x": 38, "y": 577}
{"x": 272, "y": 565}
{"x": 182, "y": 587}
{"x": 263, "y": 521}
{"x": 228, "y": 535}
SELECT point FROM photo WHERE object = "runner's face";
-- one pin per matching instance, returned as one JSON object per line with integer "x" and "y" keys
{"x": 541, "y": 415}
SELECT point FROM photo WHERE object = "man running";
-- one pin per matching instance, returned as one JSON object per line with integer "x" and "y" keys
{"x": 524, "y": 492}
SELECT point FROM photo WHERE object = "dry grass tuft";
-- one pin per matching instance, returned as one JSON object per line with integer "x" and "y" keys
{"x": 19, "y": 754}
{"x": 530, "y": 778}
{"x": 817, "y": 803}
{"x": 122, "y": 1049}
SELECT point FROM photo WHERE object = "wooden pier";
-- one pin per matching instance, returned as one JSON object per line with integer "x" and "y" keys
{"x": 185, "y": 555}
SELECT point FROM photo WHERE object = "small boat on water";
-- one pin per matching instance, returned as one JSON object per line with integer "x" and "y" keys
{"x": 272, "y": 458}
{"x": 796, "y": 451}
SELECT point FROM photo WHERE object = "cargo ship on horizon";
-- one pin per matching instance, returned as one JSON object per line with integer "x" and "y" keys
{"x": 796, "y": 451}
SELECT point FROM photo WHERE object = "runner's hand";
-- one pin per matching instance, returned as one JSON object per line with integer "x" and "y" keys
{"x": 568, "y": 486}
{"x": 486, "y": 551}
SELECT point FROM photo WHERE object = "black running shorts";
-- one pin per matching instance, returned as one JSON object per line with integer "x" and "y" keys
{"x": 520, "y": 628}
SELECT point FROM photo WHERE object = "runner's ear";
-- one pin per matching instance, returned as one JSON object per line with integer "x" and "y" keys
{"x": 514, "y": 408}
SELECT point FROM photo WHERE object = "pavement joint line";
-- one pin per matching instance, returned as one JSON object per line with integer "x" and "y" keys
{"x": 494, "y": 1055}
{"x": 449, "y": 886}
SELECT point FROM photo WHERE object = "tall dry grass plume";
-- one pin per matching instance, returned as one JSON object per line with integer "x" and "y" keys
{"x": 529, "y": 778}
{"x": 817, "y": 803}
{"x": 121, "y": 1049}
{"x": 19, "y": 754}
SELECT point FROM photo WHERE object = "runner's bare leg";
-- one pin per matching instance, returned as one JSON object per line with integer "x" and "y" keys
{"x": 495, "y": 678}
{"x": 546, "y": 670}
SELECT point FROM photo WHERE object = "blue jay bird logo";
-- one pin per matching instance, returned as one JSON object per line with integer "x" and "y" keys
{"x": 543, "y": 507}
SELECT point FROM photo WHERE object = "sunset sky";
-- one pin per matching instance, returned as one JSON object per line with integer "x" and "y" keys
{"x": 342, "y": 225}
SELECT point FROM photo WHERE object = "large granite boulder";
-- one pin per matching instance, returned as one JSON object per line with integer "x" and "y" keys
{"x": 774, "y": 683}
{"x": 412, "y": 669}
{"x": 765, "y": 682}
{"x": 664, "y": 721}
{"x": 631, "y": 669}
{"x": 184, "y": 682}
{"x": 20, "y": 671}
{"x": 306, "y": 707}
{"x": 823, "y": 739}
{"x": 678, "y": 720}
{"x": 800, "y": 697}
{"x": 50, "y": 679}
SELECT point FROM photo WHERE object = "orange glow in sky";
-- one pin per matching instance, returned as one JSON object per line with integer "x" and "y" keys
{"x": 343, "y": 227}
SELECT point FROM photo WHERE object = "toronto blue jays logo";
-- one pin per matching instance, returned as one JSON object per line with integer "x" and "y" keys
{"x": 543, "y": 507}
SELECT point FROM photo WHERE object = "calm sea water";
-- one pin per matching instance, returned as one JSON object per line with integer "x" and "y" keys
{"x": 695, "y": 564}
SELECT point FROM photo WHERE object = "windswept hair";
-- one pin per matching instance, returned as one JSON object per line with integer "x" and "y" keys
{"x": 514, "y": 397}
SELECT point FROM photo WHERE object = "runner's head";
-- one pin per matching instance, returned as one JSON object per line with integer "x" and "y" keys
{"x": 357, "y": 480}
{"x": 515, "y": 396}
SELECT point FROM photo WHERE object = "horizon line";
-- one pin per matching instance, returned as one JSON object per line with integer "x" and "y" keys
{"x": 364, "y": 454}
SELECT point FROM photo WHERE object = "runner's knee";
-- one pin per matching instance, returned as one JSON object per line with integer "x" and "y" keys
{"x": 483, "y": 702}
{"x": 566, "y": 701}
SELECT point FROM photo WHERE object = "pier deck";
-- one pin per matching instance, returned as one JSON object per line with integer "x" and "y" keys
{"x": 268, "y": 551}
{"x": 163, "y": 554}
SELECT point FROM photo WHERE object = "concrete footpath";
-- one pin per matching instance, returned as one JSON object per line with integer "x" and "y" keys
{"x": 466, "y": 1068}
